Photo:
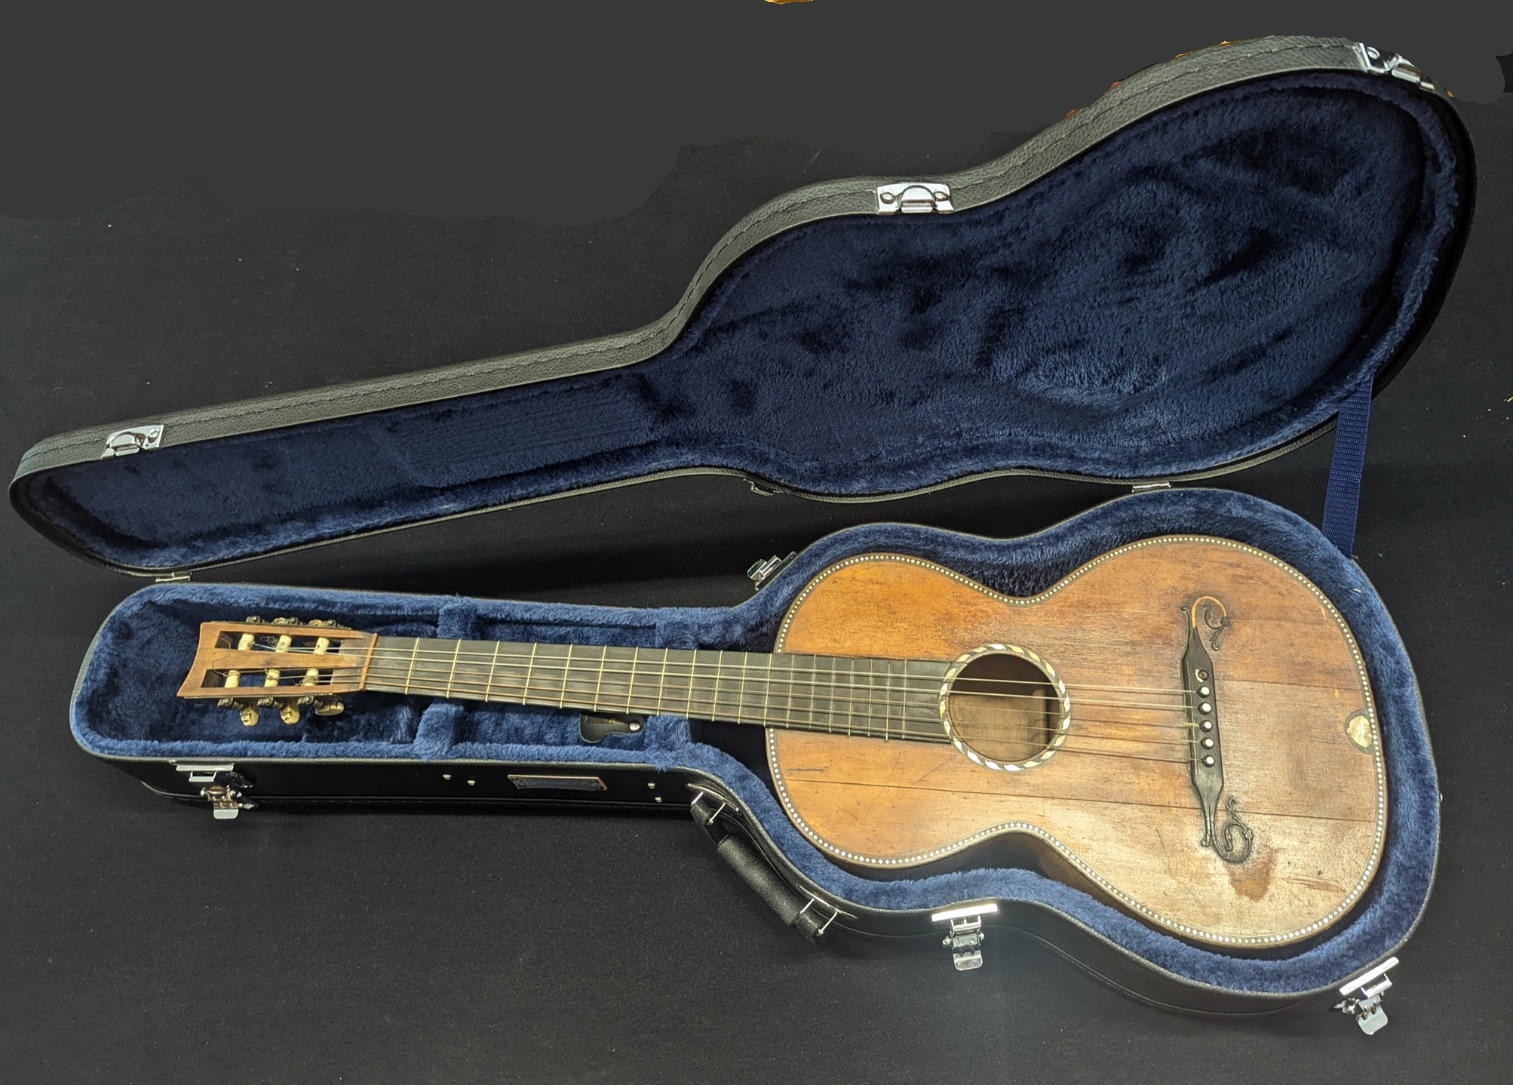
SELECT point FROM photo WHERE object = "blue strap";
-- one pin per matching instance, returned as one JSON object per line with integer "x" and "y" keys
{"x": 1343, "y": 499}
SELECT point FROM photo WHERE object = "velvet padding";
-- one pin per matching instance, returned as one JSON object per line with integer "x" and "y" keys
{"x": 125, "y": 707}
{"x": 1203, "y": 286}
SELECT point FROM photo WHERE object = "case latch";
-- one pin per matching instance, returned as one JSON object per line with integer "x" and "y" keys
{"x": 763, "y": 571}
{"x": 222, "y": 788}
{"x": 966, "y": 936}
{"x": 1363, "y": 997}
{"x": 914, "y": 198}
{"x": 1393, "y": 64}
{"x": 124, "y": 442}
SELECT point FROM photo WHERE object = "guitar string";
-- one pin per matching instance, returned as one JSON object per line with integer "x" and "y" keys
{"x": 935, "y": 734}
{"x": 929, "y": 681}
{"x": 404, "y": 655}
{"x": 712, "y": 697}
{"x": 562, "y": 691}
{"x": 587, "y": 672}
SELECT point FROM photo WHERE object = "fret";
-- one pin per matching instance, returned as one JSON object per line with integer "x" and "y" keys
{"x": 662, "y": 678}
{"x": 741, "y": 692}
{"x": 599, "y": 682}
{"x": 630, "y": 684}
{"x": 414, "y": 649}
{"x": 452, "y": 672}
{"x": 488, "y": 687}
{"x": 525, "y": 693}
{"x": 767, "y": 690}
{"x": 714, "y": 700}
{"x": 872, "y": 696}
{"x": 851, "y": 700}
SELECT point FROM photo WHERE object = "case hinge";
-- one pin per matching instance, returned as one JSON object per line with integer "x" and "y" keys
{"x": 914, "y": 198}
{"x": 965, "y": 934}
{"x": 763, "y": 571}
{"x": 125, "y": 442}
{"x": 1363, "y": 997}
{"x": 222, "y": 787}
{"x": 1393, "y": 64}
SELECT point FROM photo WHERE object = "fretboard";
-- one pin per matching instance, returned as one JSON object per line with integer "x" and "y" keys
{"x": 892, "y": 698}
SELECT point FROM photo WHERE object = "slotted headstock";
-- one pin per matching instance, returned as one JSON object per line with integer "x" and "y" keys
{"x": 285, "y": 663}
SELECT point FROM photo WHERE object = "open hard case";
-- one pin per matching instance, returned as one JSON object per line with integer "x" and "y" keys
{"x": 1208, "y": 267}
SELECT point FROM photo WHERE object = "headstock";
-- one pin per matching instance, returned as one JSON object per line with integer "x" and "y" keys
{"x": 285, "y": 664}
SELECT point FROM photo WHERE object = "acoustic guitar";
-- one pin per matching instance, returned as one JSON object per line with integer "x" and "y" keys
{"x": 1183, "y": 726}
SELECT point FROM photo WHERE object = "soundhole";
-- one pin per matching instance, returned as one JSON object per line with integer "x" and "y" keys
{"x": 1004, "y": 708}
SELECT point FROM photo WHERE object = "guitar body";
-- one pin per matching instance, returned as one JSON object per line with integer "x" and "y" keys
{"x": 1113, "y": 808}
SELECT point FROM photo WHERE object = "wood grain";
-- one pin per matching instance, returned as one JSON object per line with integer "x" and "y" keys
{"x": 1288, "y": 682}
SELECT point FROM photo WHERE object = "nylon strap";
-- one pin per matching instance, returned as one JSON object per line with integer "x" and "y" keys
{"x": 1343, "y": 498}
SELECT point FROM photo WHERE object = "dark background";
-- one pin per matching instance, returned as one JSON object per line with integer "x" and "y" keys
{"x": 153, "y": 263}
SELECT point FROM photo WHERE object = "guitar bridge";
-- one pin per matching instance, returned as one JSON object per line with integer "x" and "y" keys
{"x": 1233, "y": 840}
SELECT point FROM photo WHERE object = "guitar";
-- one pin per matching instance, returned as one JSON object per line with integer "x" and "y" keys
{"x": 1183, "y": 726}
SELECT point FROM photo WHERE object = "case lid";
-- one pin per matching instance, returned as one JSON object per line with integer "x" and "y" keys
{"x": 1192, "y": 274}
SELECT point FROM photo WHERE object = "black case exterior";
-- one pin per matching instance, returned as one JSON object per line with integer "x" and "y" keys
{"x": 231, "y": 787}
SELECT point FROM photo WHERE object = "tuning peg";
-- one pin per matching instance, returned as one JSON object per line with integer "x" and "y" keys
{"x": 328, "y": 706}
{"x": 290, "y": 713}
{"x": 249, "y": 715}
{"x": 253, "y": 619}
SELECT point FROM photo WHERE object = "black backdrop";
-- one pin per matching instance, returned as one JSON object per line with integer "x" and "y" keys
{"x": 145, "y": 942}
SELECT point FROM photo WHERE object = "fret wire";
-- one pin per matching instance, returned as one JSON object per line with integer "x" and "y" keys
{"x": 415, "y": 647}
{"x": 741, "y": 695}
{"x": 567, "y": 661}
{"x": 662, "y": 679}
{"x": 767, "y": 688}
{"x": 599, "y": 685}
{"x": 719, "y": 662}
{"x": 452, "y": 673}
{"x": 851, "y": 682}
{"x": 630, "y": 683}
{"x": 493, "y": 665}
{"x": 530, "y": 667}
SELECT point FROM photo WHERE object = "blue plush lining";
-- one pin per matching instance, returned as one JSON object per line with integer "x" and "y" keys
{"x": 1204, "y": 285}
{"x": 125, "y": 706}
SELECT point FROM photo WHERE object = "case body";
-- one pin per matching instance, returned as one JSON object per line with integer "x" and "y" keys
{"x": 1195, "y": 273}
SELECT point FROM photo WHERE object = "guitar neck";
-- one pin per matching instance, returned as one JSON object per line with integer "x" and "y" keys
{"x": 836, "y": 694}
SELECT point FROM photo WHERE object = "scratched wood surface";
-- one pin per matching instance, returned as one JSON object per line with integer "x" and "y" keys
{"x": 1288, "y": 688}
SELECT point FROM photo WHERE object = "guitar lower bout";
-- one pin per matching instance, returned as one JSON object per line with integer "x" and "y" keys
{"x": 1183, "y": 727}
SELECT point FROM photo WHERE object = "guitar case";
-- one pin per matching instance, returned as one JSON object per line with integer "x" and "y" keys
{"x": 1216, "y": 262}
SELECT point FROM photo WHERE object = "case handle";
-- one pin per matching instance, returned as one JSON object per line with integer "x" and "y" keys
{"x": 806, "y": 914}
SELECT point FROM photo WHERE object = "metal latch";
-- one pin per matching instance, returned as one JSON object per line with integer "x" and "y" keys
{"x": 1393, "y": 64}
{"x": 1363, "y": 997}
{"x": 124, "y": 442}
{"x": 914, "y": 198}
{"x": 818, "y": 905}
{"x": 763, "y": 571}
{"x": 222, "y": 788}
{"x": 966, "y": 936}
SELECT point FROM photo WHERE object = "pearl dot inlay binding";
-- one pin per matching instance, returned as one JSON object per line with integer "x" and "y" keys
{"x": 1183, "y": 726}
